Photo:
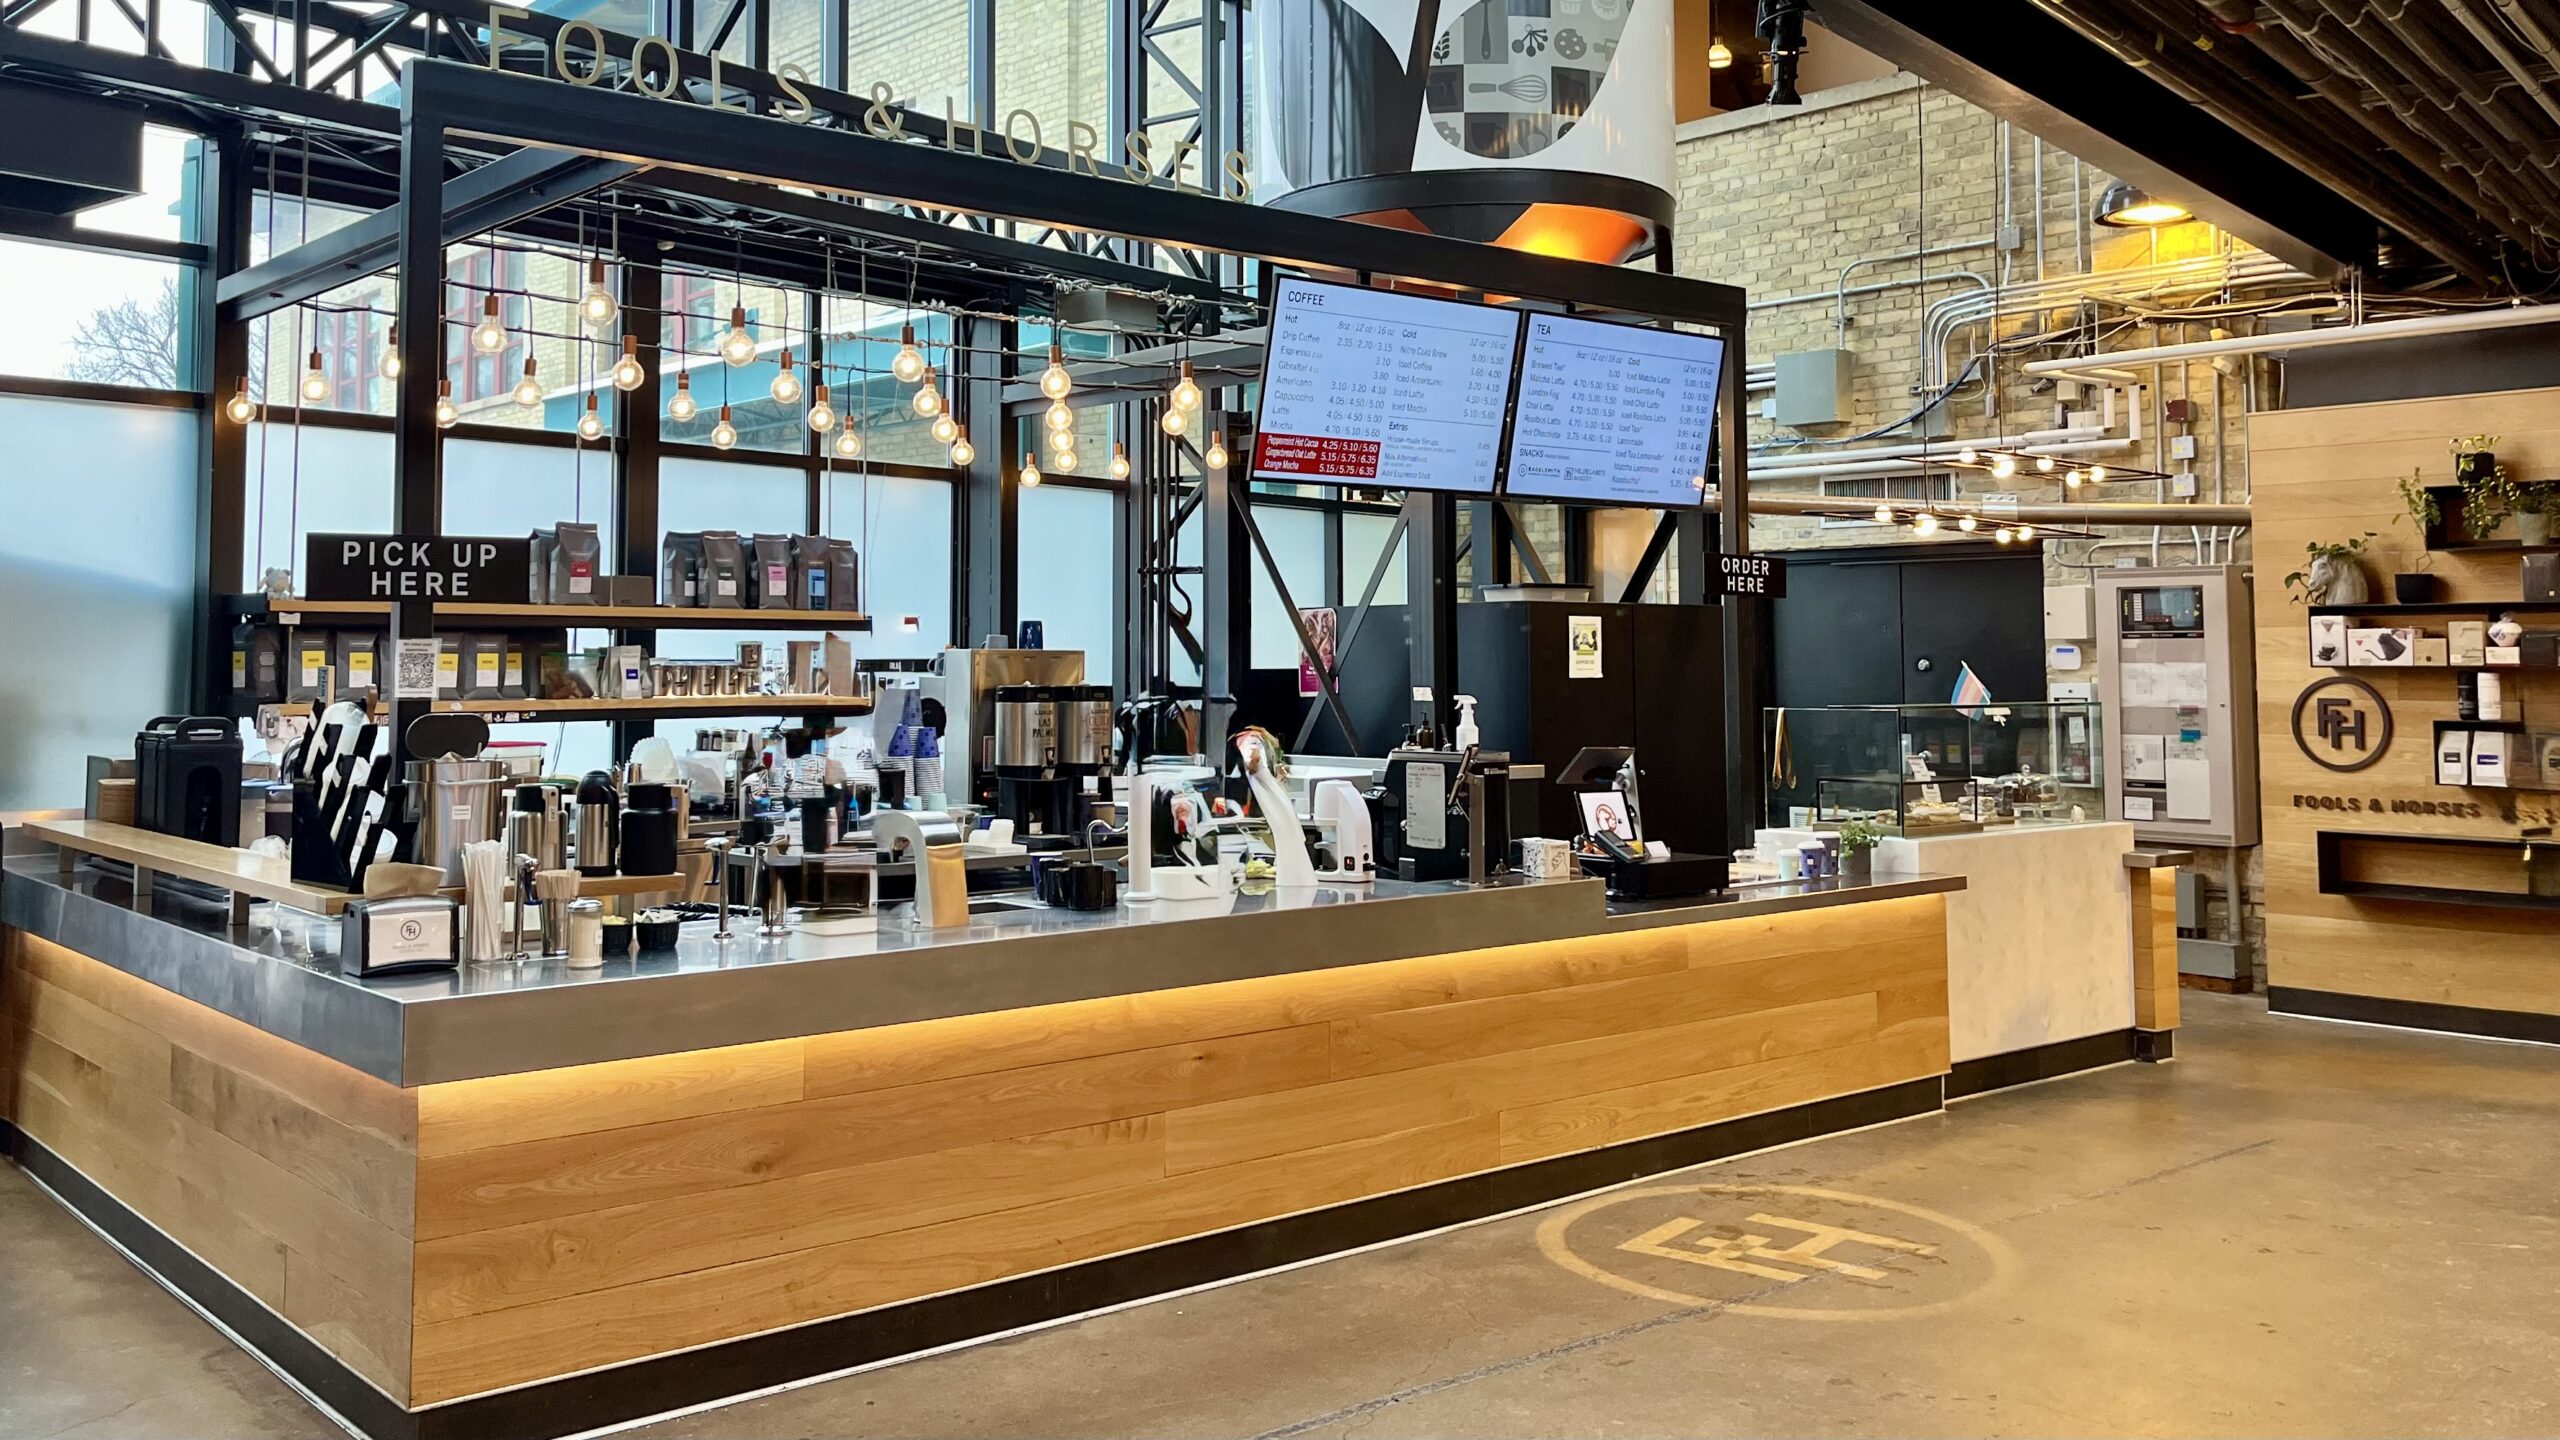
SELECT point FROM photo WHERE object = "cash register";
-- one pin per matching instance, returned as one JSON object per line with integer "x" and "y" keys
{"x": 1603, "y": 779}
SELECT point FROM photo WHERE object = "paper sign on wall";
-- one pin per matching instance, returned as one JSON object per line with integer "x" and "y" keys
{"x": 1582, "y": 647}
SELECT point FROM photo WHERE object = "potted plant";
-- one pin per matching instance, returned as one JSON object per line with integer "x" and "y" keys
{"x": 2332, "y": 573}
{"x": 2419, "y": 509}
{"x": 2535, "y": 510}
{"x": 2475, "y": 457}
{"x": 1858, "y": 849}
{"x": 2489, "y": 496}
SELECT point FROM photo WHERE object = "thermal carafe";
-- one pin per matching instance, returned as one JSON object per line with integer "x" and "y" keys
{"x": 453, "y": 803}
{"x": 649, "y": 831}
{"x": 537, "y": 825}
{"x": 594, "y": 831}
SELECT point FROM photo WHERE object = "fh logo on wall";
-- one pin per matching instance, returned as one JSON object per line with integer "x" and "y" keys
{"x": 2341, "y": 724}
{"x": 578, "y": 53}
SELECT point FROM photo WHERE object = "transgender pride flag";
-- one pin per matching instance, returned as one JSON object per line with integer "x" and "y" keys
{"x": 1972, "y": 696}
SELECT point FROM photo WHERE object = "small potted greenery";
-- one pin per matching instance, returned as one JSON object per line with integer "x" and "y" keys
{"x": 2418, "y": 508}
{"x": 1858, "y": 849}
{"x": 2488, "y": 497}
{"x": 2332, "y": 573}
{"x": 2475, "y": 458}
{"x": 2536, "y": 508}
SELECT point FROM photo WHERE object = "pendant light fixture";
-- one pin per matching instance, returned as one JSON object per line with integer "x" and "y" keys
{"x": 962, "y": 452}
{"x": 928, "y": 400}
{"x": 2127, "y": 206}
{"x": 1119, "y": 461}
{"x": 945, "y": 429}
{"x": 724, "y": 435}
{"x": 597, "y": 307}
{"x": 489, "y": 336}
{"x": 315, "y": 380}
{"x": 628, "y": 373}
{"x": 1030, "y": 475}
{"x": 1216, "y": 457}
{"x": 736, "y": 345}
{"x": 389, "y": 365}
{"x": 909, "y": 364}
{"x": 786, "y": 381}
{"x": 680, "y": 406}
{"x": 822, "y": 416}
{"x": 1172, "y": 422}
{"x": 1062, "y": 416}
{"x": 591, "y": 424}
{"x": 1062, "y": 439}
{"x": 1064, "y": 461}
{"x": 240, "y": 407}
{"x": 1055, "y": 382}
{"x": 446, "y": 414}
{"x": 849, "y": 441}
{"x": 529, "y": 389}
{"x": 1186, "y": 391}
{"x": 1718, "y": 57}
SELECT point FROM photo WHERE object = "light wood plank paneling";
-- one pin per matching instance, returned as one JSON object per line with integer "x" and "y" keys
{"x": 512, "y": 1109}
{"x": 1536, "y": 1132}
{"x": 2155, "y": 949}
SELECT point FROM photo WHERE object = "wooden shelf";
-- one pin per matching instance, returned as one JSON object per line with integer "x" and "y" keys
{"x": 2537, "y": 866}
{"x": 463, "y": 613}
{"x": 2439, "y": 607}
{"x": 666, "y": 707}
{"x": 248, "y": 876}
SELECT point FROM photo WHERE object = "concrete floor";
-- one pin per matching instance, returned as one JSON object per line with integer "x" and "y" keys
{"x": 2296, "y": 1229}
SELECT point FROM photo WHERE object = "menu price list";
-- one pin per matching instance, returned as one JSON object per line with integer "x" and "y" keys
{"x": 1614, "y": 413}
{"x": 1392, "y": 390}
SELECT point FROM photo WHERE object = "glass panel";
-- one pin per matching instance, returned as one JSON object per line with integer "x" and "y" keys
{"x": 159, "y": 211}
{"x": 1296, "y": 538}
{"x": 349, "y": 489}
{"x": 699, "y": 309}
{"x": 116, "y": 550}
{"x": 918, "y": 48}
{"x": 862, "y": 343}
{"x": 104, "y": 319}
{"x": 902, "y": 530}
{"x": 1362, "y": 536}
{"x": 1065, "y": 572}
{"x": 1052, "y": 60}
{"x": 493, "y": 488}
{"x": 708, "y": 495}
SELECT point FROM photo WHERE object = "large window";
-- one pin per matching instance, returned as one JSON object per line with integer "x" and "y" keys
{"x": 303, "y": 478}
{"x": 1065, "y": 573}
{"x": 103, "y": 319}
{"x": 902, "y": 530}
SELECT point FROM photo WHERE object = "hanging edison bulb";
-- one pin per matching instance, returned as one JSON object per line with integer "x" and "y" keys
{"x": 2004, "y": 535}
{"x": 1030, "y": 474}
{"x": 2026, "y": 532}
{"x": 786, "y": 381}
{"x": 962, "y": 452}
{"x": 1924, "y": 523}
{"x": 597, "y": 307}
{"x": 1054, "y": 381}
{"x": 628, "y": 373}
{"x": 591, "y": 424}
{"x": 736, "y": 345}
{"x": 1062, "y": 439}
{"x": 928, "y": 401}
{"x": 945, "y": 429}
{"x": 1966, "y": 455}
{"x": 1719, "y": 55}
{"x": 1119, "y": 461}
{"x": 1173, "y": 423}
{"x": 822, "y": 416}
{"x": 1062, "y": 416}
{"x": 1884, "y": 514}
{"x": 909, "y": 365}
{"x": 490, "y": 335}
{"x": 240, "y": 407}
{"x": 1062, "y": 460}
{"x": 2097, "y": 474}
{"x": 1216, "y": 458}
{"x": 681, "y": 406}
{"x": 528, "y": 390}
{"x": 390, "y": 362}
{"x": 446, "y": 414}
{"x": 2004, "y": 467}
{"x": 724, "y": 434}
{"x": 2044, "y": 463}
{"x": 1186, "y": 391}
{"x": 1967, "y": 523}
{"x": 315, "y": 380}
{"x": 849, "y": 442}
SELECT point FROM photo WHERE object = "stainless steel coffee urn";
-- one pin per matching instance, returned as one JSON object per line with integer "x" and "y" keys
{"x": 453, "y": 803}
{"x": 537, "y": 825}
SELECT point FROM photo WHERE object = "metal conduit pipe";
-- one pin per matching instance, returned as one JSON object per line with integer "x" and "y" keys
{"x": 2099, "y": 512}
{"x": 2539, "y": 30}
{"x": 2304, "y": 64}
{"x": 2260, "y": 120}
{"x": 2206, "y": 272}
{"x": 1916, "y": 464}
{"x": 2022, "y": 440}
{"x": 2109, "y": 366}
{"x": 2494, "y": 40}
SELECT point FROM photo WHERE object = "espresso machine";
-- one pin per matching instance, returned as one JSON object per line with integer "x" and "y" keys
{"x": 1049, "y": 739}
{"x": 959, "y": 702}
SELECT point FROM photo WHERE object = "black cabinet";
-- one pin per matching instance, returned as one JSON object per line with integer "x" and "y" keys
{"x": 1896, "y": 626}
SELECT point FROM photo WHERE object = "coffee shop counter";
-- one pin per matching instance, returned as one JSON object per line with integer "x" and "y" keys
{"x": 521, "y": 1200}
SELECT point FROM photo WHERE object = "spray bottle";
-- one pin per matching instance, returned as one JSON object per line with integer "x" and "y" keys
{"x": 1465, "y": 735}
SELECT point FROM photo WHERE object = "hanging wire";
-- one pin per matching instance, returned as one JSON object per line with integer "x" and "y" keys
{"x": 293, "y": 521}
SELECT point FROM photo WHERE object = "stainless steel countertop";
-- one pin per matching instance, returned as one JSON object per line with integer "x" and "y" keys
{"x": 281, "y": 975}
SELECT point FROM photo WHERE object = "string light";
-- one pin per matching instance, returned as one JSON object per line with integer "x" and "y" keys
{"x": 240, "y": 407}
{"x": 1966, "y": 456}
{"x": 390, "y": 362}
{"x": 1062, "y": 460}
{"x": 822, "y": 416}
{"x": 1030, "y": 474}
{"x": 962, "y": 452}
{"x": 928, "y": 401}
{"x": 1062, "y": 416}
{"x": 2097, "y": 474}
{"x": 1062, "y": 439}
{"x": 849, "y": 442}
{"x": 1967, "y": 523}
{"x": 1924, "y": 524}
{"x": 1186, "y": 391}
{"x": 2045, "y": 463}
{"x": 490, "y": 335}
{"x": 736, "y": 345}
{"x": 945, "y": 429}
{"x": 591, "y": 424}
{"x": 1884, "y": 514}
{"x": 724, "y": 434}
{"x": 628, "y": 373}
{"x": 529, "y": 389}
{"x": 1119, "y": 461}
{"x": 2026, "y": 532}
{"x": 1054, "y": 381}
{"x": 786, "y": 381}
{"x": 2004, "y": 535}
{"x": 2003, "y": 468}
{"x": 446, "y": 414}
{"x": 2072, "y": 478}
{"x": 315, "y": 380}
{"x": 680, "y": 406}
{"x": 909, "y": 364}
{"x": 597, "y": 307}
{"x": 1217, "y": 456}
{"x": 1173, "y": 423}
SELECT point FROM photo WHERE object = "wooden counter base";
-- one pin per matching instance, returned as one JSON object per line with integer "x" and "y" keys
{"x": 948, "y": 1178}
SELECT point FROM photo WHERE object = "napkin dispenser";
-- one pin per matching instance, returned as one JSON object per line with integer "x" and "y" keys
{"x": 397, "y": 935}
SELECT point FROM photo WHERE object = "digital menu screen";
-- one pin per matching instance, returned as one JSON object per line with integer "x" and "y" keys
{"x": 1613, "y": 414}
{"x": 1371, "y": 388}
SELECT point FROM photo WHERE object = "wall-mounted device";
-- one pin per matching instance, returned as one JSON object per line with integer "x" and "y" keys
{"x": 2177, "y": 681}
